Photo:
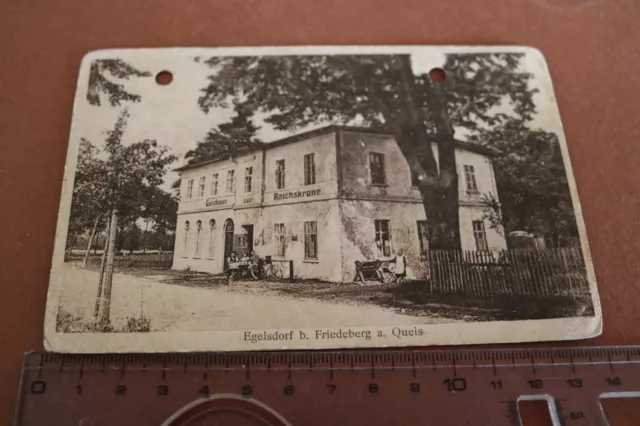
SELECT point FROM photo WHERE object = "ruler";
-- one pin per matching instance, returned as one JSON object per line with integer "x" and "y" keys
{"x": 424, "y": 387}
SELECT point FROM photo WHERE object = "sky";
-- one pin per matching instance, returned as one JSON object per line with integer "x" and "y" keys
{"x": 170, "y": 114}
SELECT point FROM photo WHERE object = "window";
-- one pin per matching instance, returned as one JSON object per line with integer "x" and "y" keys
{"x": 198, "y": 233}
{"x": 480, "y": 235}
{"x": 231, "y": 182}
{"x": 214, "y": 184}
{"x": 212, "y": 237}
{"x": 242, "y": 245}
{"x": 309, "y": 170}
{"x": 423, "y": 236}
{"x": 280, "y": 236}
{"x": 190, "y": 189}
{"x": 310, "y": 240}
{"x": 201, "y": 187}
{"x": 185, "y": 242}
{"x": 383, "y": 237}
{"x": 376, "y": 164}
{"x": 280, "y": 174}
{"x": 470, "y": 179}
{"x": 248, "y": 176}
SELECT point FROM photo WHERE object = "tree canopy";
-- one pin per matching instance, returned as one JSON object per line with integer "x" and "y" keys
{"x": 383, "y": 91}
{"x": 534, "y": 194}
{"x": 227, "y": 139}
{"x": 116, "y": 93}
{"x": 126, "y": 178}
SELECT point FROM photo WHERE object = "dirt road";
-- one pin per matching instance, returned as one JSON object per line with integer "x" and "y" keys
{"x": 173, "y": 307}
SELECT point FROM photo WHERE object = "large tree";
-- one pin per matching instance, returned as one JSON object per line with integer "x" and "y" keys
{"x": 228, "y": 139}
{"x": 126, "y": 178}
{"x": 534, "y": 194}
{"x": 383, "y": 91}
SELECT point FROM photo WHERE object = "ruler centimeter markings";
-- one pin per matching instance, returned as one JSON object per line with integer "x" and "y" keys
{"x": 382, "y": 387}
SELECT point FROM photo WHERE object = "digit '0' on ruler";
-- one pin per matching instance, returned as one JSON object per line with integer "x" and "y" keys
{"x": 430, "y": 387}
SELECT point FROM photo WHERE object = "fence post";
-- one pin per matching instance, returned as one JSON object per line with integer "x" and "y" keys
{"x": 291, "y": 271}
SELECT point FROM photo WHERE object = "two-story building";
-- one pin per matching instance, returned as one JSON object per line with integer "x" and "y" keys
{"x": 323, "y": 199}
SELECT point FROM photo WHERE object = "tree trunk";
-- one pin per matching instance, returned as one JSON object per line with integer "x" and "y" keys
{"x": 119, "y": 242}
{"x": 108, "y": 273}
{"x": 144, "y": 236}
{"x": 103, "y": 264}
{"x": 90, "y": 242}
{"x": 438, "y": 183}
{"x": 96, "y": 241}
{"x": 445, "y": 225}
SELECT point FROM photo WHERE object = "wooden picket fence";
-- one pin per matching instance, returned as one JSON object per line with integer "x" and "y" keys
{"x": 522, "y": 272}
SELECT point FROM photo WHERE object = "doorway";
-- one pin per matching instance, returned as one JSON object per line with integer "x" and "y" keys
{"x": 244, "y": 241}
{"x": 228, "y": 240}
{"x": 249, "y": 232}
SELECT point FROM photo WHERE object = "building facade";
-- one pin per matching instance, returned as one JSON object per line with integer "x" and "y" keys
{"x": 323, "y": 199}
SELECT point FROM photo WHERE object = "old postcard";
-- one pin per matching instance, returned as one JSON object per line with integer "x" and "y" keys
{"x": 317, "y": 197}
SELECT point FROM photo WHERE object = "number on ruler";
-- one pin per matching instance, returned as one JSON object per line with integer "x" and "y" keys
{"x": 457, "y": 384}
{"x": 535, "y": 384}
{"x": 576, "y": 415}
{"x": 575, "y": 383}
{"x": 613, "y": 381}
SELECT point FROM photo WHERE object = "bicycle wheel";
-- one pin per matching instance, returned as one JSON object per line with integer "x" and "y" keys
{"x": 276, "y": 272}
{"x": 255, "y": 272}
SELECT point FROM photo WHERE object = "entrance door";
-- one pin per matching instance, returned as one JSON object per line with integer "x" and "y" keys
{"x": 244, "y": 241}
{"x": 228, "y": 240}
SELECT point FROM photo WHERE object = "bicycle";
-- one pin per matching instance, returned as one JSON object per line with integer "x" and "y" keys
{"x": 266, "y": 269}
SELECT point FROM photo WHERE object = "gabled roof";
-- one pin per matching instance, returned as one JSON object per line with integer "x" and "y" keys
{"x": 469, "y": 146}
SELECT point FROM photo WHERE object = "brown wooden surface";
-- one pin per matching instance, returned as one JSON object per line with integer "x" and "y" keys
{"x": 592, "y": 47}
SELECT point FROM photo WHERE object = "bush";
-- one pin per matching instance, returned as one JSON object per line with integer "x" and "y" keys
{"x": 69, "y": 323}
{"x": 137, "y": 325}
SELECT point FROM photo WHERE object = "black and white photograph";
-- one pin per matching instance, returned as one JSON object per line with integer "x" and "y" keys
{"x": 317, "y": 197}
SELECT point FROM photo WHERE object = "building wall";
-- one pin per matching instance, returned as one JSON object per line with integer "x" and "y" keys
{"x": 485, "y": 179}
{"x": 356, "y": 172}
{"x": 206, "y": 259}
{"x": 356, "y": 181}
{"x": 473, "y": 206}
{"x": 358, "y": 234}
{"x": 495, "y": 237}
{"x": 324, "y": 149}
{"x": 293, "y": 216}
{"x": 342, "y": 202}
{"x": 223, "y": 199}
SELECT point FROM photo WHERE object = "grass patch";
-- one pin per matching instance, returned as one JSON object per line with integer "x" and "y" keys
{"x": 69, "y": 323}
{"x": 412, "y": 298}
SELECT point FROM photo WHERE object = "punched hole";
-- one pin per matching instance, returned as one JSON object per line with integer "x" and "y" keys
{"x": 164, "y": 77}
{"x": 437, "y": 75}
{"x": 534, "y": 413}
